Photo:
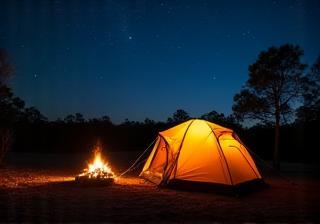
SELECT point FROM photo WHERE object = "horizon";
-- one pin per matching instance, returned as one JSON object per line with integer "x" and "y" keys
{"x": 140, "y": 60}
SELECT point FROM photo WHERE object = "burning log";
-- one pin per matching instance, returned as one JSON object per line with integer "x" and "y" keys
{"x": 98, "y": 172}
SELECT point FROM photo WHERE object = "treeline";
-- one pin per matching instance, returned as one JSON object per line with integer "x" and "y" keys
{"x": 79, "y": 135}
{"x": 76, "y": 134}
{"x": 281, "y": 101}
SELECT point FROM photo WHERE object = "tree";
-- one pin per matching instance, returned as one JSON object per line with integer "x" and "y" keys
{"x": 70, "y": 119}
{"x": 79, "y": 118}
{"x": 127, "y": 122}
{"x": 10, "y": 107}
{"x": 33, "y": 115}
{"x": 310, "y": 111}
{"x": 12, "y": 111}
{"x": 220, "y": 118}
{"x": 148, "y": 121}
{"x": 6, "y": 71}
{"x": 272, "y": 90}
{"x": 179, "y": 116}
{"x": 106, "y": 119}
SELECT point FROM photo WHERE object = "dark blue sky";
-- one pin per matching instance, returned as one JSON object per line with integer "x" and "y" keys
{"x": 143, "y": 58}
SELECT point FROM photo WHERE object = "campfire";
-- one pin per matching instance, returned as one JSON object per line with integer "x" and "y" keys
{"x": 98, "y": 171}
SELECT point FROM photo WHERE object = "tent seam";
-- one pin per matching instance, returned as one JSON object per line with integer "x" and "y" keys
{"x": 242, "y": 144}
{"x": 246, "y": 160}
{"x": 180, "y": 147}
{"x": 155, "y": 153}
{"x": 218, "y": 141}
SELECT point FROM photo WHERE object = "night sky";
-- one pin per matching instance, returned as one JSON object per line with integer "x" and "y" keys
{"x": 142, "y": 58}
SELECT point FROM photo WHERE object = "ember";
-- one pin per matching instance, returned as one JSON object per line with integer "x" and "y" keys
{"x": 98, "y": 171}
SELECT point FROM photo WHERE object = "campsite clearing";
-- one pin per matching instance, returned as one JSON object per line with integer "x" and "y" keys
{"x": 50, "y": 194}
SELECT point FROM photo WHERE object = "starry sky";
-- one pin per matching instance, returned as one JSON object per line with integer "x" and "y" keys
{"x": 145, "y": 58}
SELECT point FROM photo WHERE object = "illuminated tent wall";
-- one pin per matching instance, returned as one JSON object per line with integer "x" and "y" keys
{"x": 201, "y": 151}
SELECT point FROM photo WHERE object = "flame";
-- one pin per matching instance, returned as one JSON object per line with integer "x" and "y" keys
{"x": 99, "y": 164}
{"x": 98, "y": 168}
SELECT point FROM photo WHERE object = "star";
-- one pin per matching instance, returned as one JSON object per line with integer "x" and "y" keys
{"x": 35, "y": 75}
{"x": 248, "y": 35}
{"x": 130, "y": 37}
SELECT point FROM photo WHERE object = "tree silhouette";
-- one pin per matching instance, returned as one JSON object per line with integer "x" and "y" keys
{"x": 270, "y": 93}
{"x": 33, "y": 115}
{"x": 106, "y": 119}
{"x": 148, "y": 121}
{"x": 179, "y": 116}
{"x": 79, "y": 118}
{"x": 220, "y": 118}
{"x": 11, "y": 107}
{"x": 310, "y": 111}
{"x": 6, "y": 71}
{"x": 70, "y": 119}
{"x": 6, "y": 102}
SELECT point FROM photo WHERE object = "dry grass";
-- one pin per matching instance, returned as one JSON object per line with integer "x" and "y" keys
{"x": 51, "y": 195}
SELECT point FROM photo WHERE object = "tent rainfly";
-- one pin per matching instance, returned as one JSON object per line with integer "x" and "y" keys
{"x": 199, "y": 151}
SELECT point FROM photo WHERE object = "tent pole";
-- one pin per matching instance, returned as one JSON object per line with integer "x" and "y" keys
{"x": 219, "y": 146}
{"x": 175, "y": 164}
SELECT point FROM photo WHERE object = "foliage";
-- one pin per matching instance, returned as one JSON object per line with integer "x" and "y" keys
{"x": 148, "y": 121}
{"x": 273, "y": 89}
{"x": 274, "y": 85}
{"x": 12, "y": 109}
{"x": 8, "y": 104}
{"x": 310, "y": 111}
{"x": 277, "y": 74}
{"x": 178, "y": 117}
{"x": 59, "y": 136}
{"x": 221, "y": 119}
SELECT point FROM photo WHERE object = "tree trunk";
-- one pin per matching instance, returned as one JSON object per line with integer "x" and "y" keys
{"x": 5, "y": 142}
{"x": 276, "y": 162}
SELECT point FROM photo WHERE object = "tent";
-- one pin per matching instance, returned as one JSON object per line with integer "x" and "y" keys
{"x": 199, "y": 151}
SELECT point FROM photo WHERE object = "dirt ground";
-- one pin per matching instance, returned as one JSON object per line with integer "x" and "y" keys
{"x": 44, "y": 192}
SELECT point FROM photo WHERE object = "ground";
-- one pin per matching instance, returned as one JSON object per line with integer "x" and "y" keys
{"x": 45, "y": 191}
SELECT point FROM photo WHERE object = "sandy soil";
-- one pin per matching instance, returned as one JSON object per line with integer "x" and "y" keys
{"x": 50, "y": 194}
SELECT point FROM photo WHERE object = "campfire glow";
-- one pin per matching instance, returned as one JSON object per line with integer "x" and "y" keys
{"x": 98, "y": 169}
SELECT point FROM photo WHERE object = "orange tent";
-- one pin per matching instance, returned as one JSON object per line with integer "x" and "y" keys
{"x": 200, "y": 151}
